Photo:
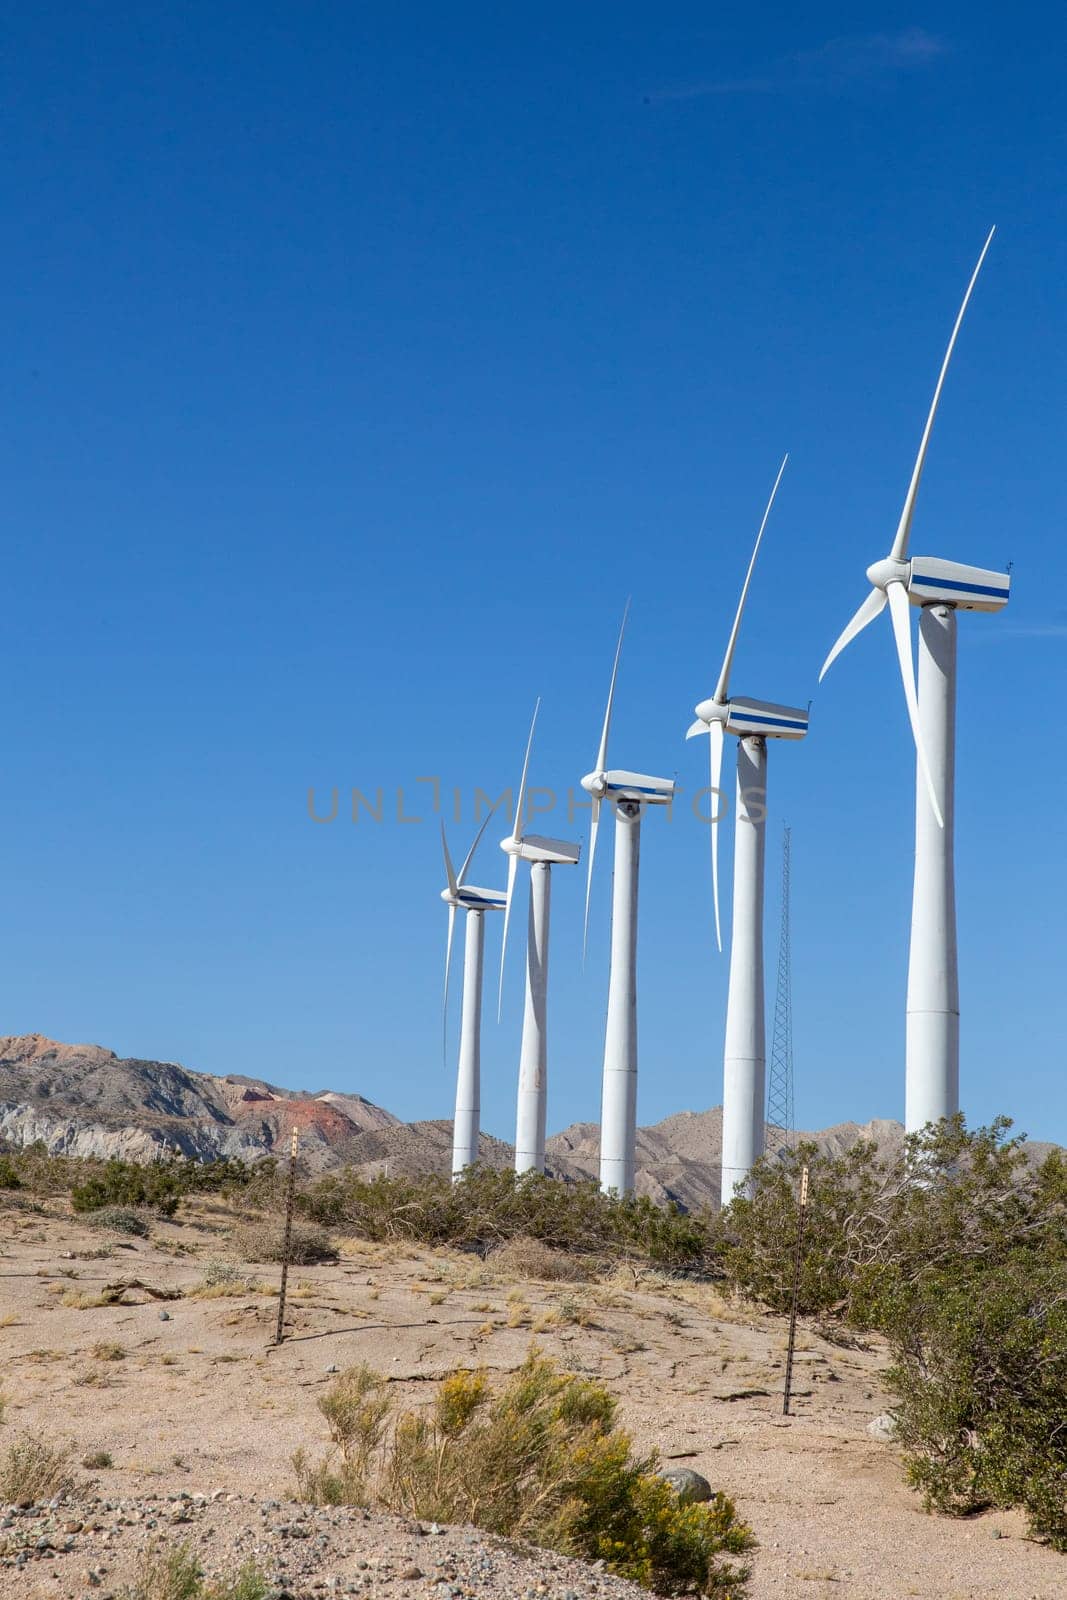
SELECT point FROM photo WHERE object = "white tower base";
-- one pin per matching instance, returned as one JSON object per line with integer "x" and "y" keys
{"x": 744, "y": 1062}
{"x": 932, "y": 1089}
{"x": 468, "y": 1079}
{"x": 533, "y": 1058}
{"x": 618, "y": 1117}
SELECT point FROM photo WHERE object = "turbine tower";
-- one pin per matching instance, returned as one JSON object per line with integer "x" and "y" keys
{"x": 460, "y": 895}
{"x": 939, "y": 588}
{"x": 542, "y": 854}
{"x": 745, "y": 1054}
{"x": 629, "y": 793}
{"x": 781, "y": 1118}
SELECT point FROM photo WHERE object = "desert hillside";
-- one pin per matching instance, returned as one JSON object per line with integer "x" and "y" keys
{"x": 84, "y": 1100}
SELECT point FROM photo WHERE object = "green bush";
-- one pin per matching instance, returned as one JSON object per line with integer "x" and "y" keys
{"x": 980, "y": 1381}
{"x": 486, "y": 1208}
{"x": 540, "y": 1459}
{"x": 956, "y": 1250}
{"x": 156, "y": 1187}
{"x": 9, "y": 1175}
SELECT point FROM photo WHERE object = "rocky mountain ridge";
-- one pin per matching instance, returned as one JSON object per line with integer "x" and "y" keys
{"x": 84, "y": 1100}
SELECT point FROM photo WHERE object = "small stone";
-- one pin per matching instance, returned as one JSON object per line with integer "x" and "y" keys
{"x": 164, "y": 1316}
{"x": 882, "y": 1427}
{"x": 333, "y": 1367}
{"x": 409, "y": 1574}
{"x": 690, "y": 1487}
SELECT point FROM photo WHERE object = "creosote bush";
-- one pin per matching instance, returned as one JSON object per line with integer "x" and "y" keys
{"x": 486, "y": 1209}
{"x": 956, "y": 1250}
{"x": 540, "y": 1458}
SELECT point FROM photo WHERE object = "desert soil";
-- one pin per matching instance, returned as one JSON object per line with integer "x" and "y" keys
{"x": 200, "y": 1416}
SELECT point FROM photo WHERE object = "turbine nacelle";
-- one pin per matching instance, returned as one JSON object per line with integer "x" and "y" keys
{"x": 936, "y": 582}
{"x": 535, "y": 847}
{"x": 468, "y": 897}
{"x": 750, "y": 719}
{"x": 931, "y": 581}
{"x": 638, "y": 786}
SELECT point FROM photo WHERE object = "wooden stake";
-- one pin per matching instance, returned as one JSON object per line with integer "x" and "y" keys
{"x": 287, "y": 1243}
{"x": 801, "y": 1216}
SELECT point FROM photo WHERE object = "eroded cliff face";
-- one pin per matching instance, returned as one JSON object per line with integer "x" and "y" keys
{"x": 83, "y": 1100}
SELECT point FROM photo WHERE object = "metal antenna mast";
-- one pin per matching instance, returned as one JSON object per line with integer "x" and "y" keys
{"x": 780, "y": 1113}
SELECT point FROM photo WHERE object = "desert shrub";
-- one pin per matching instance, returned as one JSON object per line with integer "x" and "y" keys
{"x": 97, "y": 1460}
{"x": 41, "y": 1173}
{"x": 540, "y": 1458}
{"x": 157, "y": 1187}
{"x": 956, "y": 1250}
{"x": 121, "y": 1219}
{"x": 175, "y": 1573}
{"x": 530, "y": 1258}
{"x": 33, "y": 1469}
{"x": 9, "y": 1175}
{"x": 487, "y": 1208}
{"x": 265, "y": 1241}
{"x": 980, "y": 1382}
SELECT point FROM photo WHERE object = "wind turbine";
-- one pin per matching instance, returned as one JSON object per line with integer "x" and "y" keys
{"x": 745, "y": 1053}
{"x": 630, "y": 793}
{"x": 460, "y": 895}
{"x": 940, "y": 589}
{"x": 542, "y": 854}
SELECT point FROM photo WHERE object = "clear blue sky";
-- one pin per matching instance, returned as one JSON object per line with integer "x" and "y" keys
{"x": 359, "y": 360}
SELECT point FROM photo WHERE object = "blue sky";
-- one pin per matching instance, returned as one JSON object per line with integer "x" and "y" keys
{"x": 360, "y": 360}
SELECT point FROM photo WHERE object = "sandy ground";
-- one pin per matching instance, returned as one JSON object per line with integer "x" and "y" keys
{"x": 199, "y": 1404}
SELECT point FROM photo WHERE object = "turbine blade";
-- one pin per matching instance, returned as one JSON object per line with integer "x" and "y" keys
{"x": 450, "y": 871}
{"x": 696, "y": 728}
{"x": 900, "y": 543}
{"x": 513, "y": 867}
{"x": 448, "y": 969}
{"x": 469, "y": 857}
{"x": 594, "y": 824}
{"x": 520, "y": 804}
{"x": 602, "y": 753}
{"x": 871, "y": 608}
{"x": 723, "y": 687}
{"x": 899, "y": 610}
{"x": 718, "y": 738}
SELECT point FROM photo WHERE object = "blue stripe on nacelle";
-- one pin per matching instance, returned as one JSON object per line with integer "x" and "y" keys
{"x": 771, "y": 722}
{"x": 637, "y": 788}
{"x": 965, "y": 588}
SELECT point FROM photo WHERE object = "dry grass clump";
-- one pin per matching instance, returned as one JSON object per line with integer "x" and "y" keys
{"x": 264, "y": 1240}
{"x": 33, "y": 1469}
{"x": 539, "y": 1459}
{"x": 524, "y": 1257}
{"x": 175, "y": 1573}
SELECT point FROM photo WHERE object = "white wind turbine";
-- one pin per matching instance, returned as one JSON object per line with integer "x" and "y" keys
{"x": 542, "y": 854}
{"x": 630, "y": 793}
{"x": 745, "y": 1053}
{"x": 460, "y": 895}
{"x": 940, "y": 589}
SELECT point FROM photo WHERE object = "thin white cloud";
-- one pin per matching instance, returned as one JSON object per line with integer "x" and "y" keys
{"x": 829, "y": 67}
{"x": 1023, "y": 630}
